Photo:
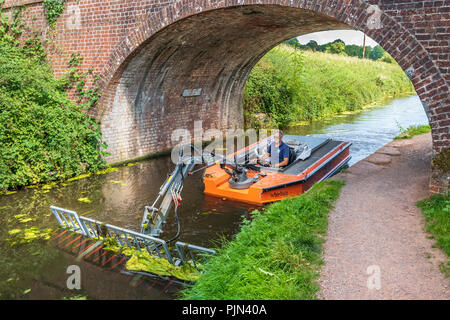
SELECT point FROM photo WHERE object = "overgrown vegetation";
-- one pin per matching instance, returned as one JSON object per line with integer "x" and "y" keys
{"x": 44, "y": 136}
{"x": 437, "y": 215}
{"x": 143, "y": 261}
{"x": 53, "y": 9}
{"x": 74, "y": 77}
{"x": 289, "y": 86}
{"x": 276, "y": 255}
{"x": 442, "y": 161}
{"x": 412, "y": 130}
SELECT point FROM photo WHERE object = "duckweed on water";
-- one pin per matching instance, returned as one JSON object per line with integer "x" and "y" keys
{"x": 143, "y": 261}
{"x": 83, "y": 176}
{"x": 28, "y": 235}
{"x": 48, "y": 186}
{"x": 76, "y": 297}
{"x": 132, "y": 164}
{"x": 88, "y": 212}
{"x": 14, "y": 231}
{"x": 79, "y": 177}
{"x": 107, "y": 170}
{"x": 7, "y": 193}
{"x": 23, "y": 218}
{"x": 84, "y": 200}
{"x": 212, "y": 211}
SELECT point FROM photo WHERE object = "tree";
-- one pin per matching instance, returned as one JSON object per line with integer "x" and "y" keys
{"x": 387, "y": 58}
{"x": 376, "y": 53}
{"x": 313, "y": 45}
{"x": 293, "y": 43}
{"x": 353, "y": 50}
{"x": 368, "y": 51}
{"x": 336, "y": 47}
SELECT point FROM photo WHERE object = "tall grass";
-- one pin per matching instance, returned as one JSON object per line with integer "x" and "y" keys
{"x": 290, "y": 85}
{"x": 412, "y": 130}
{"x": 277, "y": 255}
{"x": 437, "y": 216}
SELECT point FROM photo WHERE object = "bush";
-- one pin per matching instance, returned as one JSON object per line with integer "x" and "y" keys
{"x": 387, "y": 58}
{"x": 43, "y": 135}
{"x": 272, "y": 90}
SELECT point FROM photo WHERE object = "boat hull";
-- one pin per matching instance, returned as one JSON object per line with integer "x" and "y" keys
{"x": 276, "y": 186}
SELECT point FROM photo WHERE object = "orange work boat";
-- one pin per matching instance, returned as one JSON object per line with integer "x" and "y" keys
{"x": 311, "y": 160}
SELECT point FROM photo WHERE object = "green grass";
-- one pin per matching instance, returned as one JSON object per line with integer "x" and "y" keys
{"x": 437, "y": 215}
{"x": 289, "y": 86}
{"x": 412, "y": 131}
{"x": 276, "y": 255}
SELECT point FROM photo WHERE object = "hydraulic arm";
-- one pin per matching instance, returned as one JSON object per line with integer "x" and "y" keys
{"x": 170, "y": 194}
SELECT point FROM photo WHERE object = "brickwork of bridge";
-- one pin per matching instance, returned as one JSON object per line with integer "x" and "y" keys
{"x": 165, "y": 64}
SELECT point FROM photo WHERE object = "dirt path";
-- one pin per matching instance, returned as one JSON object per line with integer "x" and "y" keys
{"x": 375, "y": 225}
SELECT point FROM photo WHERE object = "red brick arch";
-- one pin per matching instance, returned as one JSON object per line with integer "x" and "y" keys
{"x": 398, "y": 41}
{"x": 421, "y": 62}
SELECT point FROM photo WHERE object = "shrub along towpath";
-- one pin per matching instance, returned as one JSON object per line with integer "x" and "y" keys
{"x": 376, "y": 247}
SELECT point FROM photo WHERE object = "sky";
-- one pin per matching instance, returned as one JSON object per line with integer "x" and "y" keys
{"x": 348, "y": 36}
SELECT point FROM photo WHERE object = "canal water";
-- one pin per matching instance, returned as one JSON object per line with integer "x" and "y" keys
{"x": 38, "y": 270}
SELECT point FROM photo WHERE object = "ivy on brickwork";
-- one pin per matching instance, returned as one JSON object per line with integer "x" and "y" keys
{"x": 75, "y": 77}
{"x": 11, "y": 29}
{"x": 44, "y": 136}
{"x": 53, "y": 9}
{"x": 442, "y": 161}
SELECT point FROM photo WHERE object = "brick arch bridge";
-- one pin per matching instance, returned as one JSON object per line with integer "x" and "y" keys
{"x": 165, "y": 65}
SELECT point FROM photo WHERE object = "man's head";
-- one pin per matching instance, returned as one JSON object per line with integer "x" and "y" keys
{"x": 278, "y": 136}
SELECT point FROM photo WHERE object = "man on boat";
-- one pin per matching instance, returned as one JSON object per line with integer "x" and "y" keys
{"x": 278, "y": 152}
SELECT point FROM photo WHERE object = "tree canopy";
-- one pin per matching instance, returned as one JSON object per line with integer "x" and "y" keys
{"x": 339, "y": 47}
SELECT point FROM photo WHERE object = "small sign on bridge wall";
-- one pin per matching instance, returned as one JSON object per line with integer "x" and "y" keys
{"x": 192, "y": 92}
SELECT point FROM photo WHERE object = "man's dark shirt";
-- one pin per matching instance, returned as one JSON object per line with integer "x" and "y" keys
{"x": 282, "y": 151}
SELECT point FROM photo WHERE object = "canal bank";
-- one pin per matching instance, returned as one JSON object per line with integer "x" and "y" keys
{"x": 376, "y": 247}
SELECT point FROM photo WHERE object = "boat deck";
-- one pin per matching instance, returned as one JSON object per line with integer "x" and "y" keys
{"x": 301, "y": 165}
